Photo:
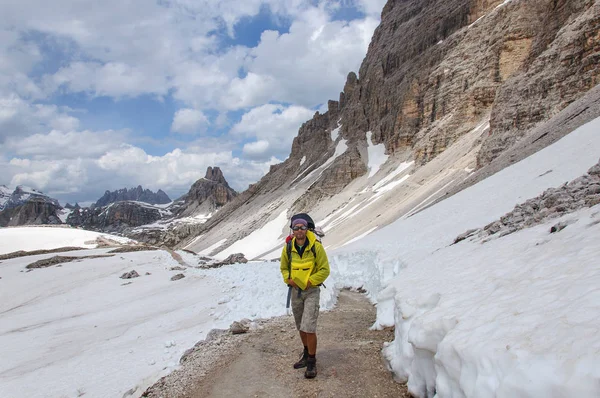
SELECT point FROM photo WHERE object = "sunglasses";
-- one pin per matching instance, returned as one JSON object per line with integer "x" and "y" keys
{"x": 298, "y": 228}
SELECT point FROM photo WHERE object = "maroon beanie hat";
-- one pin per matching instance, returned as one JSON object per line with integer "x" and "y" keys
{"x": 299, "y": 221}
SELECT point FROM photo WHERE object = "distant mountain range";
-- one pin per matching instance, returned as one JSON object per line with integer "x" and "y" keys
{"x": 136, "y": 194}
{"x": 121, "y": 211}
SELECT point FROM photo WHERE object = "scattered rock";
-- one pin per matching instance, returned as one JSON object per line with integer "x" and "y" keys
{"x": 582, "y": 192}
{"x": 177, "y": 277}
{"x": 48, "y": 262}
{"x": 126, "y": 283}
{"x": 233, "y": 259}
{"x": 558, "y": 227}
{"x": 177, "y": 268}
{"x": 148, "y": 273}
{"x": 129, "y": 275}
{"x": 239, "y": 327}
{"x": 128, "y": 249}
{"x": 22, "y": 253}
{"x": 465, "y": 235}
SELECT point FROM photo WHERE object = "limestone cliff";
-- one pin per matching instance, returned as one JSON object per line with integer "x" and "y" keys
{"x": 448, "y": 84}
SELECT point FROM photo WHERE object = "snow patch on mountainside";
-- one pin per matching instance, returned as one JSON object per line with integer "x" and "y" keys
{"x": 340, "y": 148}
{"x": 259, "y": 241}
{"x": 376, "y": 155}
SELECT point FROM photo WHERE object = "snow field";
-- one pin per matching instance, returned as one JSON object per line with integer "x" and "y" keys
{"x": 46, "y": 238}
{"x": 512, "y": 317}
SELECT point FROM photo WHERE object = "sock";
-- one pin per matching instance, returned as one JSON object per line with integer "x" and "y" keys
{"x": 312, "y": 356}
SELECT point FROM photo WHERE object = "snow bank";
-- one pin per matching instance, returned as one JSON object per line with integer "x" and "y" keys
{"x": 516, "y": 316}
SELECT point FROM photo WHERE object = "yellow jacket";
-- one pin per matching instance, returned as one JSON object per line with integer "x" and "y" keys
{"x": 307, "y": 268}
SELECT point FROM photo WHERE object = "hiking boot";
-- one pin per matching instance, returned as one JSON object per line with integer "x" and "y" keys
{"x": 302, "y": 362}
{"x": 311, "y": 368}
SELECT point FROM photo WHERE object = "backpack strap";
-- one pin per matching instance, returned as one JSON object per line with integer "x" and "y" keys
{"x": 288, "y": 249}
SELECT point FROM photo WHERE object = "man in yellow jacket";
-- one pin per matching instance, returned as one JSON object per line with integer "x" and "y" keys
{"x": 305, "y": 269}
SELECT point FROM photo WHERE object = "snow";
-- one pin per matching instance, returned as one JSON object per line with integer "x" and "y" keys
{"x": 80, "y": 329}
{"x": 46, "y": 238}
{"x": 210, "y": 249}
{"x": 64, "y": 214}
{"x": 516, "y": 316}
{"x": 360, "y": 236}
{"x": 166, "y": 224}
{"x": 335, "y": 133}
{"x": 339, "y": 150}
{"x": 376, "y": 154}
{"x": 29, "y": 190}
{"x": 399, "y": 170}
{"x": 302, "y": 160}
{"x": 260, "y": 241}
{"x": 5, "y": 194}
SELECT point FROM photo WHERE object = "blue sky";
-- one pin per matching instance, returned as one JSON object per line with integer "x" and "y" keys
{"x": 106, "y": 95}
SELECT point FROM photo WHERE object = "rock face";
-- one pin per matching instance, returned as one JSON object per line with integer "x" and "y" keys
{"x": 115, "y": 217}
{"x": 436, "y": 72}
{"x": 27, "y": 206}
{"x": 135, "y": 194}
{"x": 21, "y": 195}
{"x": 32, "y": 212}
{"x": 5, "y": 193}
{"x": 206, "y": 195}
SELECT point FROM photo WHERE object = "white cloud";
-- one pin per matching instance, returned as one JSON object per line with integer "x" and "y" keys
{"x": 113, "y": 79}
{"x": 189, "y": 121}
{"x": 169, "y": 49}
{"x": 65, "y": 145}
{"x": 87, "y": 176}
{"x": 306, "y": 66}
{"x": 250, "y": 91}
{"x": 256, "y": 149}
{"x": 276, "y": 125}
{"x": 20, "y": 118}
{"x": 371, "y": 7}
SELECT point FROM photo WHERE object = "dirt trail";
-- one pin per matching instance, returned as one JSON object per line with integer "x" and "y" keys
{"x": 349, "y": 359}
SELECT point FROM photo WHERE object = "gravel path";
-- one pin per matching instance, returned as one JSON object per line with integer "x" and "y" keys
{"x": 259, "y": 363}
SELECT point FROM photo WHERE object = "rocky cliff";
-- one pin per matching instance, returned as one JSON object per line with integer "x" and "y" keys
{"x": 135, "y": 194}
{"x": 447, "y": 84}
{"x": 35, "y": 211}
{"x": 21, "y": 195}
{"x": 27, "y": 206}
{"x": 206, "y": 195}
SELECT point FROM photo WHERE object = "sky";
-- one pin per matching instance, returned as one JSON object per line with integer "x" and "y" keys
{"x": 514, "y": 316}
{"x": 102, "y": 96}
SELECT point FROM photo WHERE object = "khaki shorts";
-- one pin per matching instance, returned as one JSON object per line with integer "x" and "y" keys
{"x": 306, "y": 308}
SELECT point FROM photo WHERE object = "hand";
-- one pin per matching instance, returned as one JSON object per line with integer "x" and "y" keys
{"x": 291, "y": 283}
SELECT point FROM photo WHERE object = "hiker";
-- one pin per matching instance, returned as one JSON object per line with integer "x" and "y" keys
{"x": 304, "y": 267}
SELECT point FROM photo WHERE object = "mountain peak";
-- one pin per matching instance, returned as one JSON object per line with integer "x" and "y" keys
{"x": 207, "y": 194}
{"x": 215, "y": 174}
